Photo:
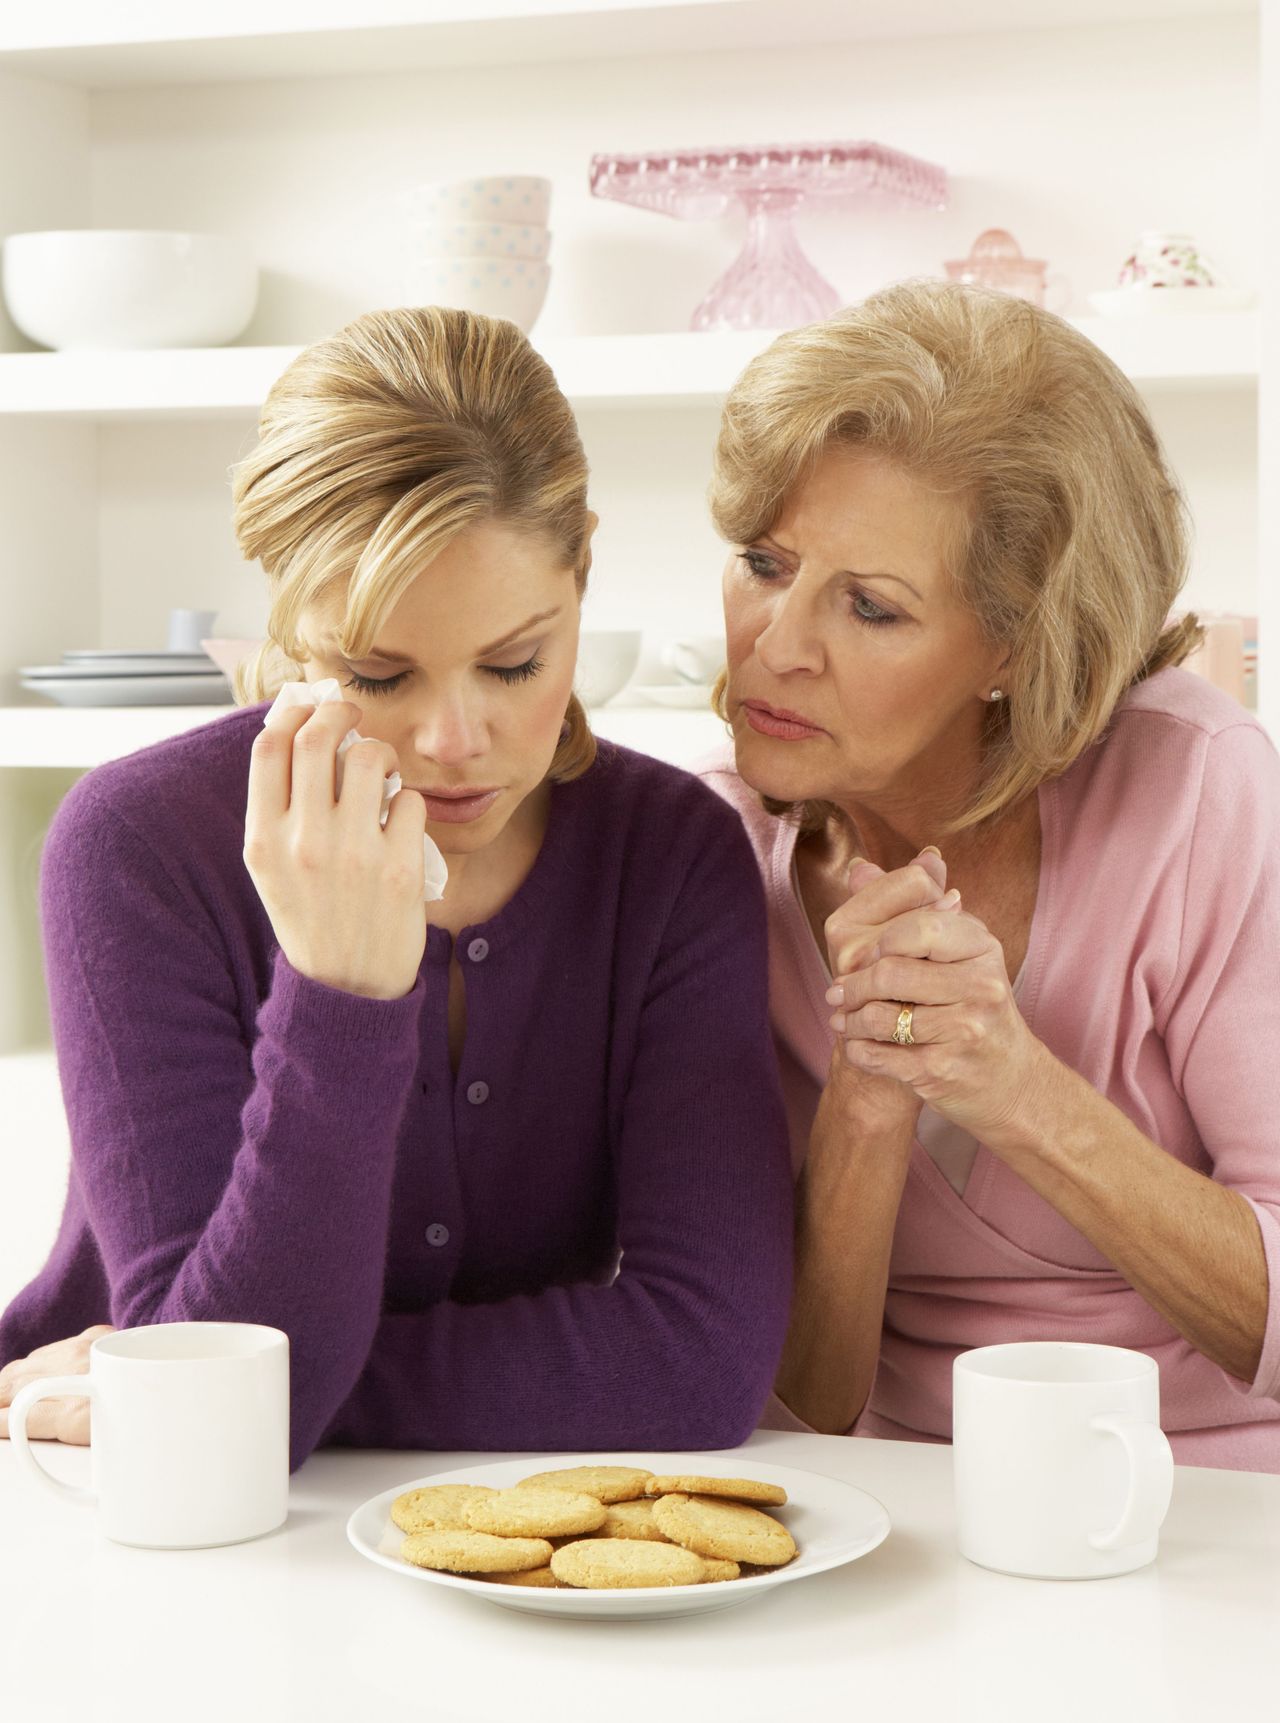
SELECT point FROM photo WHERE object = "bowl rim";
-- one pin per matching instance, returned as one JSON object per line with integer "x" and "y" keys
{"x": 118, "y": 233}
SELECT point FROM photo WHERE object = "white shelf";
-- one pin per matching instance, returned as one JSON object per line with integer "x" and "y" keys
{"x": 232, "y": 382}
{"x": 56, "y": 736}
{"x": 91, "y": 45}
{"x": 1170, "y": 351}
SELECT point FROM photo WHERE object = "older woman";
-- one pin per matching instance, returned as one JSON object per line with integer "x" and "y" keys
{"x": 1043, "y": 1104}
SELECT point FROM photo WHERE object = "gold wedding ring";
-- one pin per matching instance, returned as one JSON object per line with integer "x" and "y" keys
{"x": 902, "y": 1029}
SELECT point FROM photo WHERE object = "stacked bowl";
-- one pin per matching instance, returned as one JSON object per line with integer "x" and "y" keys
{"x": 480, "y": 244}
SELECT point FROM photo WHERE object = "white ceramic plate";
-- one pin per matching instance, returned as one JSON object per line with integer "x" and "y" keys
{"x": 1161, "y": 301}
{"x": 119, "y": 663}
{"x": 77, "y": 670}
{"x": 832, "y": 1523}
{"x": 213, "y": 690}
{"x": 688, "y": 696}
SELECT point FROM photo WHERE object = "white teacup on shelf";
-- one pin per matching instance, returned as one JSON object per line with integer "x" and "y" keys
{"x": 606, "y": 663}
{"x": 697, "y": 658}
{"x": 1168, "y": 272}
{"x": 1163, "y": 260}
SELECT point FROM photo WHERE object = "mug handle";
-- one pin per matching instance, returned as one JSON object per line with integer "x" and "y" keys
{"x": 676, "y": 655}
{"x": 48, "y": 1387}
{"x": 1150, "y": 1480}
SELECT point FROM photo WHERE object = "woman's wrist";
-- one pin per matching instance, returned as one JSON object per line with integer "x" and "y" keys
{"x": 864, "y": 1106}
{"x": 1037, "y": 1116}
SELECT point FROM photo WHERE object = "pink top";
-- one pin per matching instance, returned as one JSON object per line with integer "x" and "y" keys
{"x": 1151, "y": 969}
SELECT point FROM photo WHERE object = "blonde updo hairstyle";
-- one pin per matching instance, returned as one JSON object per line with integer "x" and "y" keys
{"x": 376, "y": 448}
{"x": 1071, "y": 537}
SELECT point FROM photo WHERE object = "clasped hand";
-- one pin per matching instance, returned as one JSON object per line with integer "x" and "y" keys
{"x": 902, "y": 939}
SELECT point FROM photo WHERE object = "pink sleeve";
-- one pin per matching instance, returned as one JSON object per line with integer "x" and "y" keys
{"x": 1221, "y": 1016}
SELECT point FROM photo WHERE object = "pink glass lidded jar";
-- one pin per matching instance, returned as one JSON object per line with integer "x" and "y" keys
{"x": 996, "y": 260}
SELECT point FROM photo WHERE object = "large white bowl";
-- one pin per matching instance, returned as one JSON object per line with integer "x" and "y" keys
{"x": 501, "y": 197}
{"x": 97, "y": 288}
{"x": 514, "y": 288}
{"x": 480, "y": 239}
{"x": 606, "y": 663}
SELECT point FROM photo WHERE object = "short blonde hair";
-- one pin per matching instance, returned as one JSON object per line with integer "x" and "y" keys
{"x": 376, "y": 448}
{"x": 1071, "y": 539}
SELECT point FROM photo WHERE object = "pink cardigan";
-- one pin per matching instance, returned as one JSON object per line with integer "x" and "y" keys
{"x": 1153, "y": 969}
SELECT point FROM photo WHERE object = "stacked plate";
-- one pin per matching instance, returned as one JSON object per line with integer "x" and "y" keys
{"x": 480, "y": 244}
{"x": 129, "y": 679}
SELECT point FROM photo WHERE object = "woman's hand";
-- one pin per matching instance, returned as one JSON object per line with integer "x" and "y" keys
{"x": 876, "y": 1103}
{"x": 59, "y": 1419}
{"x": 974, "y": 1059}
{"x": 344, "y": 894}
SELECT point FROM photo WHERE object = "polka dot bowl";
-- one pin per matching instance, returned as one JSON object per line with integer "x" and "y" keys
{"x": 520, "y": 198}
{"x": 514, "y": 288}
{"x": 480, "y": 239}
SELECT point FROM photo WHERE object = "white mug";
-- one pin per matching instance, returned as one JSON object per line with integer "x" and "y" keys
{"x": 698, "y": 659}
{"x": 187, "y": 628}
{"x": 1061, "y": 1468}
{"x": 189, "y": 1433}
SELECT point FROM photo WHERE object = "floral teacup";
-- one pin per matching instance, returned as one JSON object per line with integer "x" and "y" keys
{"x": 1167, "y": 260}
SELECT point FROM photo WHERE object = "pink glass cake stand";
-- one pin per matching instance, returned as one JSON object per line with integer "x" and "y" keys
{"x": 771, "y": 284}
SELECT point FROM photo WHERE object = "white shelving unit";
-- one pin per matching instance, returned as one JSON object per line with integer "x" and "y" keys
{"x": 46, "y": 738}
{"x": 625, "y": 371}
{"x": 296, "y": 128}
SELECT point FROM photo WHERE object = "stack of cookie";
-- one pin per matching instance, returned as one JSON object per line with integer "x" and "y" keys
{"x": 596, "y": 1527}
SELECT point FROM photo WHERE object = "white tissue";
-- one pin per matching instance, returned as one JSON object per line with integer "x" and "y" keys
{"x": 435, "y": 871}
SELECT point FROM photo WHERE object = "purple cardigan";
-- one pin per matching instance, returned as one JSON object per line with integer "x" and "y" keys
{"x": 251, "y": 1145}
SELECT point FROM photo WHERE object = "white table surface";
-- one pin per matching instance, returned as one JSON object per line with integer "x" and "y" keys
{"x": 297, "y": 1625}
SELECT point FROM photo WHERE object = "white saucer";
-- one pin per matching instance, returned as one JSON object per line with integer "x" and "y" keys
{"x": 165, "y": 690}
{"x": 1161, "y": 301}
{"x": 832, "y": 1523}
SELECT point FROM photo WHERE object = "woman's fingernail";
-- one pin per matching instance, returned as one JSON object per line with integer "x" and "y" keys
{"x": 837, "y": 1022}
{"x": 835, "y": 995}
{"x": 951, "y": 899}
{"x": 932, "y": 850}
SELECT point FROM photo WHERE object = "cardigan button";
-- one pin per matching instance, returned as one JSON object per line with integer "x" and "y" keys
{"x": 478, "y": 950}
{"x": 437, "y": 1234}
{"x": 478, "y": 1094}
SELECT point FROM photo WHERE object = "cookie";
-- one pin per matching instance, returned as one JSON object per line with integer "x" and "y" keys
{"x": 618, "y": 1564}
{"x": 714, "y": 1570}
{"x": 535, "y": 1576}
{"x": 474, "y": 1552}
{"x": 728, "y": 1530}
{"x": 606, "y": 1483}
{"x": 631, "y": 1520}
{"x": 737, "y": 1489}
{"x": 530, "y": 1511}
{"x": 436, "y": 1507}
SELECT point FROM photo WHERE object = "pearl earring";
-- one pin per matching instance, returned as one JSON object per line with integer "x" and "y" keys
{"x": 997, "y": 694}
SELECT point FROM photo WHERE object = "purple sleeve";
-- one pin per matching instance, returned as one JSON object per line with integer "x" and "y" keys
{"x": 222, "y": 1181}
{"x": 680, "y": 1350}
